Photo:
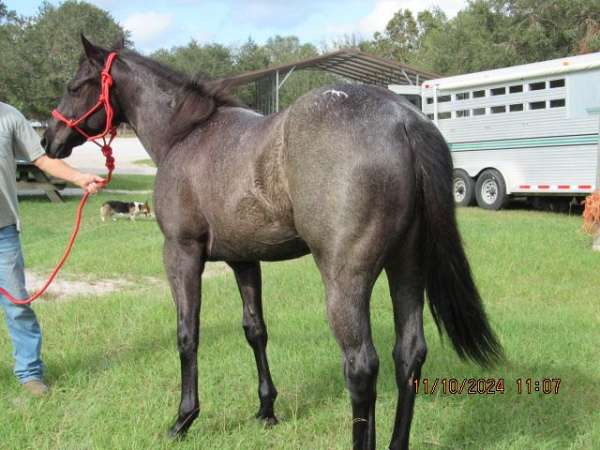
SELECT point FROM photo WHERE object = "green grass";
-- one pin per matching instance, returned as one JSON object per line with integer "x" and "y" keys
{"x": 114, "y": 370}
{"x": 132, "y": 182}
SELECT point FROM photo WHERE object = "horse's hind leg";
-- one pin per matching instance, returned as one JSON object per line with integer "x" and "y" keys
{"x": 248, "y": 279}
{"x": 184, "y": 264}
{"x": 348, "y": 294}
{"x": 406, "y": 288}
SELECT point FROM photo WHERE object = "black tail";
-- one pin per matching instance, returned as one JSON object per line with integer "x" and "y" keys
{"x": 453, "y": 297}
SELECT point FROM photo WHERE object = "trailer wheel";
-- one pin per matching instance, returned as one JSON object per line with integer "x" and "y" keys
{"x": 463, "y": 188}
{"x": 490, "y": 190}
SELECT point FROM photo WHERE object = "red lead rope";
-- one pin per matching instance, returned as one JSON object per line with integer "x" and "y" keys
{"x": 111, "y": 132}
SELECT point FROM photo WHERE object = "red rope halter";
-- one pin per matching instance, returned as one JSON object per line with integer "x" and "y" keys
{"x": 111, "y": 132}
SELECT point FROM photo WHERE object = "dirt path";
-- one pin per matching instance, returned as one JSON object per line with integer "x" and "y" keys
{"x": 67, "y": 286}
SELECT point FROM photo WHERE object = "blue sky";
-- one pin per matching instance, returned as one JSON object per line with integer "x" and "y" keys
{"x": 156, "y": 24}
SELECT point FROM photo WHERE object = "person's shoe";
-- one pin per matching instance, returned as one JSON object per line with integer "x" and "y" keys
{"x": 36, "y": 387}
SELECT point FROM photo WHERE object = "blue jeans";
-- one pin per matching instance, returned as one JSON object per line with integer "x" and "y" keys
{"x": 23, "y": 326}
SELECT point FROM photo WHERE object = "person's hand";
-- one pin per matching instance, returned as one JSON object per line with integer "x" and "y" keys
{"x": 89, "y": 182}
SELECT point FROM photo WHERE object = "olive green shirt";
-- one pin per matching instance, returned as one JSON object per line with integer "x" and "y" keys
{"x": 18, "y": 141}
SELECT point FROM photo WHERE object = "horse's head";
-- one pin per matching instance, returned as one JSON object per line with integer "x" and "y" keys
{"x": 81, "y": 95}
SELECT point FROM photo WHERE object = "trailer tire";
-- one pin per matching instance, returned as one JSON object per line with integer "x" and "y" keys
{"x": 463, "y": 188}
{"x": 490, "y": 190}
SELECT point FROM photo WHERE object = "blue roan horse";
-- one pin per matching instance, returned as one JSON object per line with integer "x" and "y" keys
{"x": 353, "y": 174}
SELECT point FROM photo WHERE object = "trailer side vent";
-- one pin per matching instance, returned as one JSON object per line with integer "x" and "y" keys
{"x": 516, "y": 88}
{"x": 537, "y": 86}
{"x": 537, "y": 105}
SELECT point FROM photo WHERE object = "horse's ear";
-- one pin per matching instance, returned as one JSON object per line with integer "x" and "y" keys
{"x": 92, "y": 52}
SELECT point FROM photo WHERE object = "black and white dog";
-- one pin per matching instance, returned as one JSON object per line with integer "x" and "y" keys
{"x": 114, "y": 209}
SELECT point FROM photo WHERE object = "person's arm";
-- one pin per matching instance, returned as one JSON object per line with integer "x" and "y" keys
{"x": 60, "y": 169}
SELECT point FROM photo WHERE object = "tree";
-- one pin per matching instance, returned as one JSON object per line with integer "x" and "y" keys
{"x": 399, "y": 39}
{"x": 10, "y": 31}
{"x": 488, "y": 34}
{"x": 248, "y": 57}
{"x": 46, "y": 49}
{"x": 194, "y": 59}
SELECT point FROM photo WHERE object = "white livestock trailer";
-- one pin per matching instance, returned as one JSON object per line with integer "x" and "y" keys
{"x": 519, "y": 131}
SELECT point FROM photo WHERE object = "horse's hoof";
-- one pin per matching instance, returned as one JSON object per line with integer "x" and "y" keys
{"x": 175, "y": 433}
{"x": 269, "y": 421}
{"x": 178, "y": 431}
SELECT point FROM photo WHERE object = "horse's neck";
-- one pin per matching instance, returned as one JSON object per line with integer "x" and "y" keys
{"x": 148, "y": 111}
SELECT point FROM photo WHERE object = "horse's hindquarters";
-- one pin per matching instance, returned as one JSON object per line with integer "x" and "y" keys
{"x": 350, "y": 170}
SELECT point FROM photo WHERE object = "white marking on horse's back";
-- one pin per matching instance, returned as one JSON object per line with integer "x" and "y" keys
{"x": 336, "y": 93}
{"x": 246, "y": 110}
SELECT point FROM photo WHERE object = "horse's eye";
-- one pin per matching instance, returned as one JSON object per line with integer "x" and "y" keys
{"x": 73, "y": 88}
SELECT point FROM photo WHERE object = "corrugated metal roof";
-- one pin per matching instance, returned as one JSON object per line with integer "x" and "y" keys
{"x": 349, "y": 63}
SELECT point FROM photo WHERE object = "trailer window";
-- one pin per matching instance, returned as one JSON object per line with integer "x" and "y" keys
{"x": 498, "y": 109}
{"x": 516, "y": 107}
{"x": 537, "y": 105}
{"x": 429, "y": 100}
{"x": 516, "y": 88}
{"x": 498, "y": 91}
{"x": 462, "y": 96}
{"x": 444, "y": 115}
{"x": 462, "y": 113}
{"x": 479, "y": 94}
{"x": 537, "y": 86}
{"x": 557, "y": 103}
{"x": 557, "y": 83}
{"x": 443, "y": 98}
{"x": 479, "y": 112}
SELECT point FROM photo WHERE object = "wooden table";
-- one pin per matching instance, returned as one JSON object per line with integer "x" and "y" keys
{"x": 29, "y": 176}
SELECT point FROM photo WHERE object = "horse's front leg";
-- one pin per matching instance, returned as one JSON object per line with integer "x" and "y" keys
{"x": 184, "y": 262}
{"x": 247, "y": 275}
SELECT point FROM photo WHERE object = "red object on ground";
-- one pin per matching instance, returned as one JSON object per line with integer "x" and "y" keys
{"x": 111, "y": 132}
{"x": 591, "y": 213}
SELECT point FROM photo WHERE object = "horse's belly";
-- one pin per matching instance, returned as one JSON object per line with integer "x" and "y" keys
{"x": 258, "y": 246}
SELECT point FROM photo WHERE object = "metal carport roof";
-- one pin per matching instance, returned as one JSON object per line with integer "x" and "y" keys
{"x": 348, "y": 63}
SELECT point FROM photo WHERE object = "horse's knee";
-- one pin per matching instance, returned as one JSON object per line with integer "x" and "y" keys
{"x": 255, "y": 330}
{"x": 360, "y": 369}
{"x": 409, "y": 360}
{"x": 186, "y": 341}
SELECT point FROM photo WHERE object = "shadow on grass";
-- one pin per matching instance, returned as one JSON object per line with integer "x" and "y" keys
{"x": 92, "y": 364}
{"x": 552, "y": 420}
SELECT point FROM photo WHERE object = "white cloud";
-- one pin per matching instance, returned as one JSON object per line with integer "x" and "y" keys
{"x": 147, "y": 28}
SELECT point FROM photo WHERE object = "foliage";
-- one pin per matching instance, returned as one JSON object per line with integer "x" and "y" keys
{"x": 488, "y": 34}
{"x": 44, "y": 52}
{"x": 38, "y": 54}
